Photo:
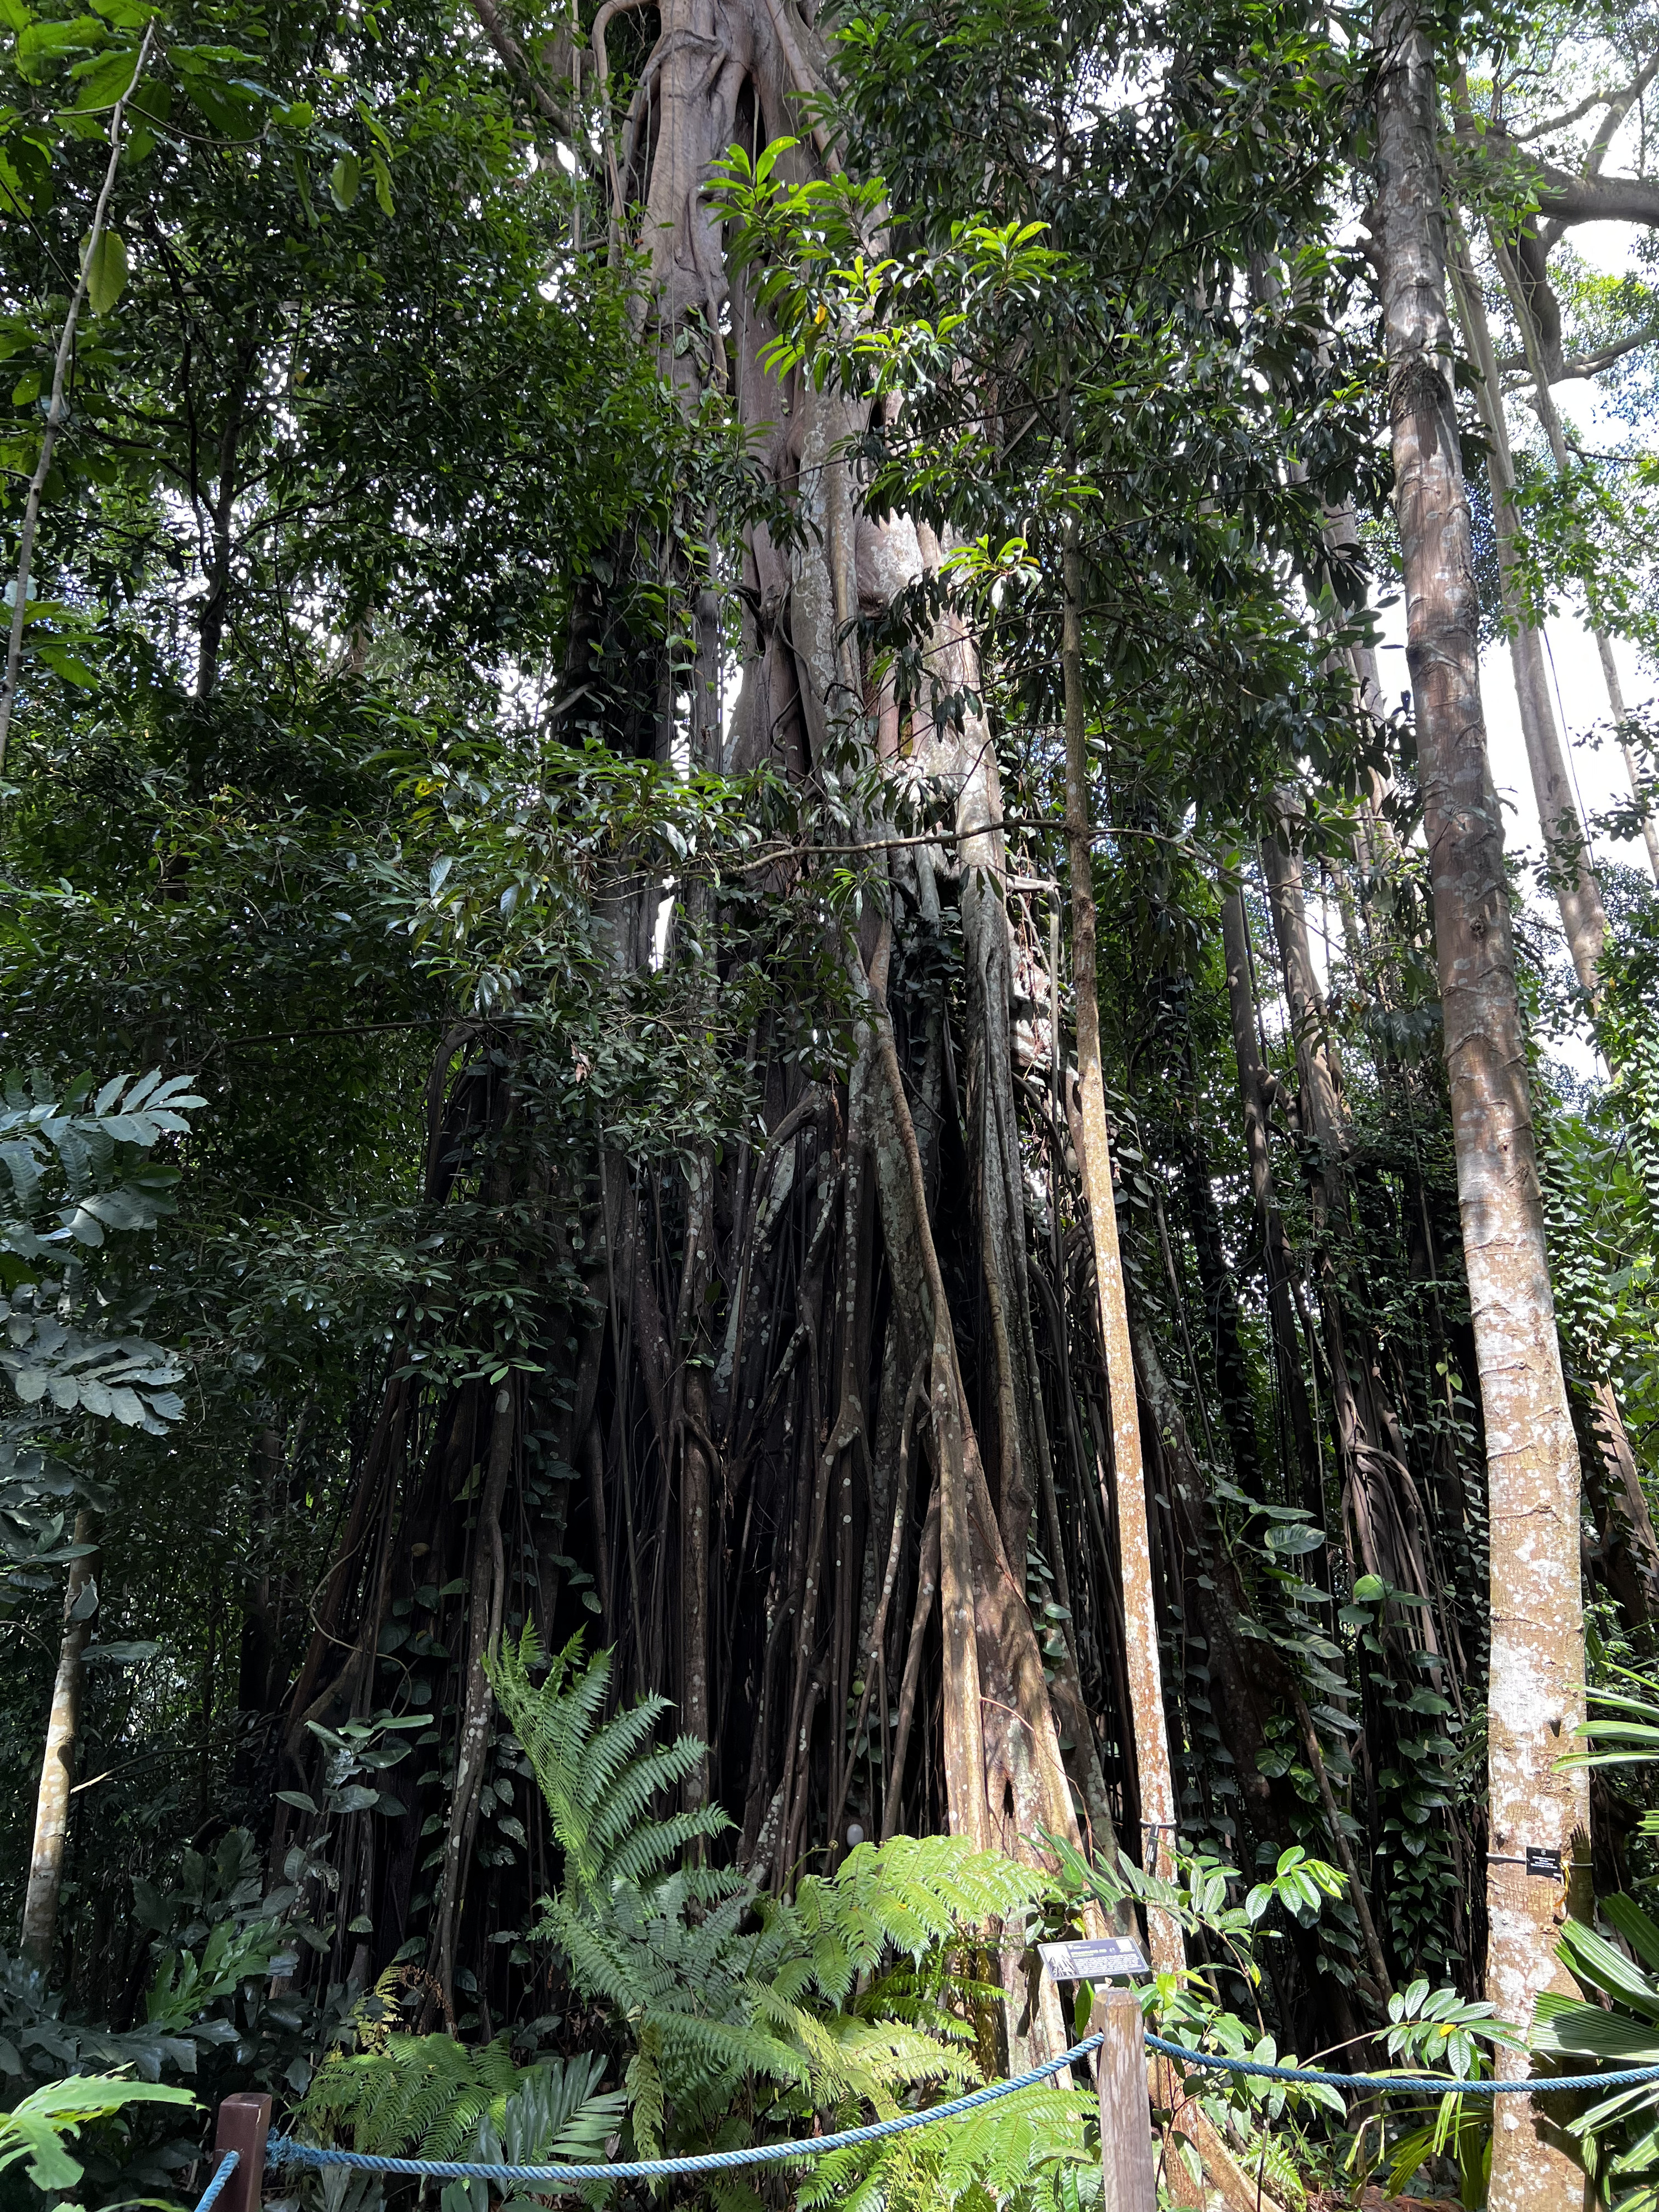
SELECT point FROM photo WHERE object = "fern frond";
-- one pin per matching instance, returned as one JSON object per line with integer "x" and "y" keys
{"x": 599, "y": 1777}
{"x": 645, "y": 2092}
{"x": 724, "y": 2048}
{"x": 417, "y": 2094}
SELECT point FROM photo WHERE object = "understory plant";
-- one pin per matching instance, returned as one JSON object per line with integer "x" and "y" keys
{"x": 1614, "y": 2024}
{"x": 732, "y": 2017}
{"x": 749, "y": 2017}
{"x": 38, "y": 2133}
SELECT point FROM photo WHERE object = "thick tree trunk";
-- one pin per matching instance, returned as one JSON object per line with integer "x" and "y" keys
{"x": 51, "y": 1804}
{"x": 1537, "y": 1641}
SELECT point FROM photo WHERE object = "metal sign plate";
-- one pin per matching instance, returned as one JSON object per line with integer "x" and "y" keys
{"x": 1539, "y": 1861}
{"x": 1096, "y": 1960}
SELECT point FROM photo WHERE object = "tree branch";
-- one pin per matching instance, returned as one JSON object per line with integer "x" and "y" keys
{"x": 1567, "y": 200}
{"x": 513, "y": 54}
{"x": 1618, "y": 108}
{"x": 1584, "y": 364}
{"x": 55, "y": 413}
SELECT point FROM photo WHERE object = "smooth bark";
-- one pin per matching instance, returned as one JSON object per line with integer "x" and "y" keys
{"x": 51, "y": 1804}
{"x": 1566, "y": 852}
{"x": 1537, "y": 1642}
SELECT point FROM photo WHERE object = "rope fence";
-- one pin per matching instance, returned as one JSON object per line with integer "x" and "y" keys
{"x": 283, "y": 2149}
{"x": 244, "y": 2142}
{"x": 226, "y": 2165}
{"x": 1433, "y": 2085}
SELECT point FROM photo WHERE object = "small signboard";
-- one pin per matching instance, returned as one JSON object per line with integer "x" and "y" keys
{"x": 1539, "y": 1861}
{"x": 1096, "y": 1960}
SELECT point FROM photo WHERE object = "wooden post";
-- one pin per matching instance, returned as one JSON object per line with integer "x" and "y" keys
{"x": 244, "y": 2123}
{"x": 1127, "y": 2172}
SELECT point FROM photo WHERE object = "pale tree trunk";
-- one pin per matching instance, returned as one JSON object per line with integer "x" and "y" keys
{"x": 1582, "y": 916}
{"x": 1142, "y": 1663}
{"x": 51, "y": 1805}
{"x": 1537, "y": 1635}
{"x": 1549, "y": 416}
{"x": 1566, "y": 851}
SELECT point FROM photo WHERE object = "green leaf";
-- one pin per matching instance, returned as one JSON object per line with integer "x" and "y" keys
{"x": 34, "y": 2130}
{"x": 68, "y": 665}
{"x": 107, "y": 271}
{"x": 41, "y": 45}
{"x": 345, "y": 180}
{"x": 105, "y": 78}
{"x": 228, "y": 111}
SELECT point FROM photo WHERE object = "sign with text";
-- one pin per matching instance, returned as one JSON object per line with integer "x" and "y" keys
{"x": 1096, "y": 1960}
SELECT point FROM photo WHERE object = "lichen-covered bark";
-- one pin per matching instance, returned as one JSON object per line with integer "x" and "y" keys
{"x": 1537, "y": 1648}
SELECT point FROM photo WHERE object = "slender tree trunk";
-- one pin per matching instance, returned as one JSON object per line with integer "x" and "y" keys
{"x": 1537, "y": 1638}
{"x": 216, "y": 606}
{"x": 1630, "y": 1550}
{"x": 1276, "y": 1250}
{"x": 51, "y": 1805}
{"x": 1566, "y": 851}
{"x": 1549, "y": 416}
{"x": 486, "y": 1600}
{"x": 1157, "y": 1797}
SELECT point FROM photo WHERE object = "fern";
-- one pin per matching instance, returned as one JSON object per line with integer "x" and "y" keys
{"x": 418, "y": 2096}
{"x": 429, "y": 2096}
{"x": 1039, "y": 2148}
{"x": 750, "y": 2016}
{"x": 599, "y": 1777}
{"x": 556, "y": 2116}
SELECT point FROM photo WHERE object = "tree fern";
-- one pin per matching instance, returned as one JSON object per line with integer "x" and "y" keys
{"x": 599, "y": 1777}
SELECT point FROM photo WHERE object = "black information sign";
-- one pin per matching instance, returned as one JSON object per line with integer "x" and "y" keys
{"x": 1095, "y": 1961}
{"x": 1539, "y": 1861}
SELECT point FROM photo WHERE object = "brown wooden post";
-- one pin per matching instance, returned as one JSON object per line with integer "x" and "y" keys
{"x": 244, "y": 2123}
{"x": 1127, "y": 2172}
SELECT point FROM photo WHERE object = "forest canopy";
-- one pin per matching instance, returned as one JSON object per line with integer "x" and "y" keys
{"x": 790, "y": 1185}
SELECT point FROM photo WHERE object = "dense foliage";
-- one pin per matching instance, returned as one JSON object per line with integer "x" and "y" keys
{"x": 550, "y": 554}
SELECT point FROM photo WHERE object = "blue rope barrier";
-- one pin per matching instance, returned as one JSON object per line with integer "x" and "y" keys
{"x": 284, "y": 2149}
{"x": 209, "y": 2196}
{"x": 1443, "y": 2085}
